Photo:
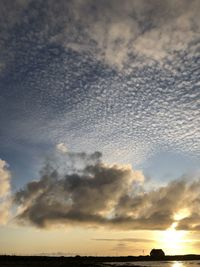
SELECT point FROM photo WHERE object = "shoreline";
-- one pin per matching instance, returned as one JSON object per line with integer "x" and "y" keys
{"x": 100, "y": 259}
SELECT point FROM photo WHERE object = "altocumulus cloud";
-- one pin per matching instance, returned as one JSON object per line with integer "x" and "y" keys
{"x": 108, "y": 74}
{"x": 81, "y": 189}
{"x": 108, "y": 30}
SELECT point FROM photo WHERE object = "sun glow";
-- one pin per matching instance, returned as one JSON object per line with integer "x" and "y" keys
{"x": 177, "y": 264}
{"x": 172, "y": 237}
{"x": 181, "y": 214}
{"x": 172, "y": 240}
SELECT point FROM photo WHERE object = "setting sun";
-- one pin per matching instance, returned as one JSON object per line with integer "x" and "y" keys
{"x": 172, "y": 240}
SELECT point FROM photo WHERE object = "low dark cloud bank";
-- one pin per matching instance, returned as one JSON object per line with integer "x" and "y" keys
{"x": 86, "y": 191}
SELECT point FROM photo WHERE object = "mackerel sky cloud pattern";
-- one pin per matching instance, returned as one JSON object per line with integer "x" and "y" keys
{"x": 120, "y": 79}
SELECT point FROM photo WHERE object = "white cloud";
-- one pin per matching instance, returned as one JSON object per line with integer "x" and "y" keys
{"x": 4, "y": 179}
{"x": 61, "y": 147}
{"x": 4, "y": 192}
{"x": 153, "y": 29}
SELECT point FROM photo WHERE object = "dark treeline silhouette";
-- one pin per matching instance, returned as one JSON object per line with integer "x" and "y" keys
{"x": 85, "y": 261}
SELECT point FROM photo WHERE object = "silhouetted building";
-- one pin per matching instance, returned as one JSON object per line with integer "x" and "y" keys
{"x": 157, "y": 253}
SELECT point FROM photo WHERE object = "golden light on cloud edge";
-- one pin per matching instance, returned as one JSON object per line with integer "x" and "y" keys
{"x": 181, "y": 214}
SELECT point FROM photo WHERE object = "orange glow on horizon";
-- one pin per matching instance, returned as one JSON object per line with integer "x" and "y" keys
{"x": 175, "y": 242}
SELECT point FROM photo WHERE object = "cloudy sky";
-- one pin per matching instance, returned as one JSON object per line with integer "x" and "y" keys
{"x": 100, "y": 136}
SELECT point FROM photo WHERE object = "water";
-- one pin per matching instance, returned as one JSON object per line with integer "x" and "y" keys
{"x": 169, "y": 264}
{"x": 157, "y": 264}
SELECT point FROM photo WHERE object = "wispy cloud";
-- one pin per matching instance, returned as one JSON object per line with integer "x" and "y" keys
{"x": 134, "y": 240}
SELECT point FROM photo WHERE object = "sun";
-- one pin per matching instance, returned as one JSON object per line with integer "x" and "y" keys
{"x": 172, "y": 240}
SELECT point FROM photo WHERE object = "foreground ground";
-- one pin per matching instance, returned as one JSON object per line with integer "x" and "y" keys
{"x": 40, "y": 261}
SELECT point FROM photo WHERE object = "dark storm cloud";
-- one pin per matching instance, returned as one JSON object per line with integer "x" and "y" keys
{"x": 98, "y": 194}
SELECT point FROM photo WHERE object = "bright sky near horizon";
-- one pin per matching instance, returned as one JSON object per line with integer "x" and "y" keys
{"x": 100, "y": 126}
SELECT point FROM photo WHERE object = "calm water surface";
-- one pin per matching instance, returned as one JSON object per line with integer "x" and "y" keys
{"x": 159, "y": 264}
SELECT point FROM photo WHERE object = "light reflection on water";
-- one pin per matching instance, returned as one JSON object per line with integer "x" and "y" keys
{"x": 169, "y": 264}
{"x": 177, "y": 264}
{"x": 157, "y": 264}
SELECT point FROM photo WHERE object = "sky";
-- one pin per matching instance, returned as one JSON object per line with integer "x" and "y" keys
{"x": 100, "y": 127}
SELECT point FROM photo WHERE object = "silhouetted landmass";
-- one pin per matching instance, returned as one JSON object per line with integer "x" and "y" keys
{"x": 85, "y": 261}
